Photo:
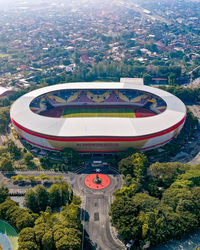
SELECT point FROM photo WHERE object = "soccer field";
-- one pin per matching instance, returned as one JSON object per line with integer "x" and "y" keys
{"x": 98, "y": 112}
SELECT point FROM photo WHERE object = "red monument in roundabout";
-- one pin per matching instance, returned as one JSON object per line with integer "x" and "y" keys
{"x": 97, "y": 181}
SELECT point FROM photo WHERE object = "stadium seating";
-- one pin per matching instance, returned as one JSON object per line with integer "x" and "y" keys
{"x": 98, "y": 96}
{"x": 158, "y": 106}
{"x": 121, "y": 96}
{"x": 55, "y": 100}
{"x": 38, "y": 105}
{"x": 74, "y": 96}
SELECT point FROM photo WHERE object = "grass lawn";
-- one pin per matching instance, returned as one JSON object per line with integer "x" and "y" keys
{"x": 98, "y": 112}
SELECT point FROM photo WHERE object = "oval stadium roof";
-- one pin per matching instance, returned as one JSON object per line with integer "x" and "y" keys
{"x": 97, "y": 126}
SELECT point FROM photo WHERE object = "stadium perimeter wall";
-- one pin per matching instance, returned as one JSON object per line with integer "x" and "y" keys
{"x": 94, "y": 141}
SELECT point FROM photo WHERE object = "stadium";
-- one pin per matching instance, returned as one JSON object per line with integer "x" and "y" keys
{"x": 100, "y": 117}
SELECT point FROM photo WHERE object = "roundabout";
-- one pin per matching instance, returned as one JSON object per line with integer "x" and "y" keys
{"x": 97, "y": 181}
{"x": 96, "y": 190}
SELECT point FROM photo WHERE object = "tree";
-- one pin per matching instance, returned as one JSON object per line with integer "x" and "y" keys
{"x": 70, "y": 239}
{"x": 145, "y": 218}
{"x": 6, "y": 164}
{"x": 166, "y": 173}
{"x": 45, "y": 162}
{"x": 172, "y": 196}
{"x": 13, "y": 149}
{"x": 196, "y": 197}
{"x": 18, "y": 217}
{"x": 18, "y": 178}
{"x": 193, "y": 175}
{"x": 60, "y": 194}
{"x": 125, "y": 213}
{"x": 134, "y": 165}
{"x": 30, "y": 200}
{"x": 28, "y": 158}
{"x": 23, "y": 219}
{"x": 147, "y": 79}
{"x": 58, "y": 178}
{"x": 177, "y": 54}
{"x": 67, "y": 193}
{"x": 27, "y": 239}
{"x": 32, "y": 178}
{"x": 55, "y": 196}
{"x": 27, "y": 245}
{"x": 44, "y": 177}
{"x": 47, "y": 240}
{"x": 4, "y": 101}
{"x": 37, "y": 199}
{"x": 128, "y": 192}
{"x": 40, "y": 229}
{"x": 5, "y": 206}
{"x": 54, "y": 231}
{"x": 5, "y": 119}
{"x": 121, "y": 155}
{"x": 42, "y": 197}
{"x": 71, "y": 158}
{"x": 172, "y": 79}
{"x": 157, "y": 225}
{"x": 4, "y": 193}
{"x": 76, "y": 200}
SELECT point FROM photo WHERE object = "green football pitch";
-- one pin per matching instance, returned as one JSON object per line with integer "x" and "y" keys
{"x": 98, "y": 112}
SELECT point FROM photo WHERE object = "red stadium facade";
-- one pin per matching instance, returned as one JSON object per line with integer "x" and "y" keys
{"x": 36, "y": 118}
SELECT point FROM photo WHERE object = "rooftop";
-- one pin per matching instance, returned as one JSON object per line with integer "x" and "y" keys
{"x": 98, "y": 126}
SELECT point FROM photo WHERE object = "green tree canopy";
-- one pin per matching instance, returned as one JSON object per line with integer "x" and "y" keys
{"x": 13, "y": 149}
{"x": 18, "y": 217}
{"x": 60, "y": 194}
{"x": 146, "y": 218}
{"x": 134, "y": 165}
{"x": 4, "y": 193}
{"x": 6, "y": 163}
{"x": 5, "y": 119}
{"x": 54, "y": 231}
{"x": 167, "y": 173}
{"x": 27, "y": 239}
{"x": 71, "y": 158}
{"x": 38, "y": 198}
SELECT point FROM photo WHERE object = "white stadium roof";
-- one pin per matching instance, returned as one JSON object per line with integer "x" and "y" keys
{"x": 3, "y": 90}
{"x": 97, "y": 126}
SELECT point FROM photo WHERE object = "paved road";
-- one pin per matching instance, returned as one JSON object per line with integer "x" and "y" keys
{"x": 95, "y": 205}
{"x": 97, "y": 224}
{"x": 14, "y": 188}
{"x": 188, "y": 242}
